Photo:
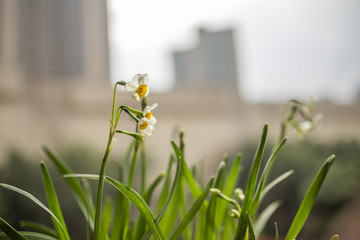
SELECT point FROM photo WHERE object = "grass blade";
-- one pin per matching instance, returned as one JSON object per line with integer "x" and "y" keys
{"x": 264, "y": 217}
{"x": 53, "y": 203}
{"x": 194, "y": 209}
{"x": 250, "y": 186}
{"x": 10, "y": 231}
{"x": 147, "y": 195}
{"x": 31, "y": 197}
{"x": 133, "y": 197}
{"x": 275, "y": 182}
{"x": 189, "y": 178}
{"x": 85, "y": 203}
{"x": 308, "y": 201}
{"x": 38, "y": 227}
{"x": 264, "y": 177}
{"x": 140, "y": 228}
{"x": 29, "y": 236}
{"x": 106, "y": 219}
{"x": 251, "y": 229}
{"x": 140, "y": 204}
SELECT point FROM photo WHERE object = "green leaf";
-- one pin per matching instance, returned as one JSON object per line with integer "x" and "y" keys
{"x": 140, "y": 204}
{"x": 308, "y": 201}
{"x": 147, "y": 195}
{"x": 194, "y": 188}
{"x": 140, "y": 228}
{"x": 29, "y": 236}
{"x": 54, "y": 205}
{"x": 264, "y": 177}
{"x": 250, "y": 186}
{"x": 251, "y": 230}
{"x": 106, "y": 219}
{"x": 335, "y": 237}
{"x": 119, "y": 216}
{"x": 175, "y": 182}
{"x": 31, "y": 197}
{"x": 133, "y": 197}
{"x": 231, "y": 182}
{"x": 193, "y": 210}
{"x": 212, "y": 209}
{"x": 10, "y": 231}
{"x": 165, "y": 189}
{"x": 264, "y": 217}
{"x": 279, "y": 179}
{"x": 38, "y": 227}
{"x": 276, "y": 232}
{"x": 84, "y": 201}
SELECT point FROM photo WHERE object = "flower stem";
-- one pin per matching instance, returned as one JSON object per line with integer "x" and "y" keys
{"x": 133, "y": 163}
{"x": 101, "y": 186}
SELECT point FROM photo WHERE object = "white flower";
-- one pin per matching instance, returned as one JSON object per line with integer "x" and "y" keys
{"x": 146, "y": 125}
{"x": 148, "y": 114}
{"x": 304, "y": 127}
{"x": 138, "y": 86}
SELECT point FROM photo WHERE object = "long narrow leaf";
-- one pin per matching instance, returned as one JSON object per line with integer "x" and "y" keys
{"x": 251, "y": 230}
{"x": 38, "y": 227}
{"x": 29, "y": 236}
{"x": 10, "y": 231}
{"x": 194, "y": 209}
{"x": 231, "y": 182}
{"x": 277, "y": 180}
{"x": 264, "y": 217}
{"x": 31, "y": 197}
{"x": 194, "y": 189}
{"x": 308, "y": 201}
{"x": 264, "y": 177}
{"x": 85, "y": 202}
{"x": 133, "y": 197}
{"x": 250, "y": 186}
{"x": 140, "y": 228}
{"x": 53, "y": 203}
{"x": 140, "y": 204}
{"x": 106, "y": 219}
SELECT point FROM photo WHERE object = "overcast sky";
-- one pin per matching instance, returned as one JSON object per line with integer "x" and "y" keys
{"x": 287, "y": 48}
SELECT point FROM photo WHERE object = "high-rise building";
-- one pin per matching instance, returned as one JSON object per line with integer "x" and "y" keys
{"x": 210, "y": 64}
{"x": 53, "y": 41}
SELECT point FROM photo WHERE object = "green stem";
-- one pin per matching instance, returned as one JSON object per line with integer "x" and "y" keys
{"x": 114, "y": 99}
{"x": 143, "y": 168}
{"x": 101, "y": 186}
{"x": 133, "y": 163}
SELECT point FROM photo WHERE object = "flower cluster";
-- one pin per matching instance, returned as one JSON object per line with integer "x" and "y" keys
{"x": 144, "y": 119}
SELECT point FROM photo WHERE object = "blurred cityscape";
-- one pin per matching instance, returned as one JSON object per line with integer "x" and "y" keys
{"x": 55, "y": 88}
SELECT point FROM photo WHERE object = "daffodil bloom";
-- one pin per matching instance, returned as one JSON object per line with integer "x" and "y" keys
{"x": 146, "y": 125}
{"x": 148, "y": 114}
{"x": 138, "y": 86}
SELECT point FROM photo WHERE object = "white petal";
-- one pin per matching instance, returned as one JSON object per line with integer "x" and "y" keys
{"x": 153, "y": 120}
{"x": 150, "y": 108}
{"x": 143, "y": 79}
{"x": 149, "y": 130}
{"x": 131, "y": 87}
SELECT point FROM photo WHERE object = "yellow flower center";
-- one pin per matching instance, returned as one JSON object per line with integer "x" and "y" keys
{"x": 142, "y": 90}
{"x": 148, "y": 115}
{"x": 143, "y": 125}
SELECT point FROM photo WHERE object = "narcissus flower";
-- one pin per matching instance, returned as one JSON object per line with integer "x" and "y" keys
{"x": 138, "y": 86}
{"x": 148, "y": 114}
{"x": 146, "y": 125}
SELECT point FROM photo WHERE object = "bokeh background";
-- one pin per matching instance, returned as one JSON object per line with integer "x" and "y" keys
{"x": 218, "y": 69}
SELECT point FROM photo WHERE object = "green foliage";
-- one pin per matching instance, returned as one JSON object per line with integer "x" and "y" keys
{"x": 184, "y": 208}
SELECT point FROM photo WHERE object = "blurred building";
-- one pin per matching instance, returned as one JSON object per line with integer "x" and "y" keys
{"x": 43, "y": 41}
{"x": 211, "y": 64}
